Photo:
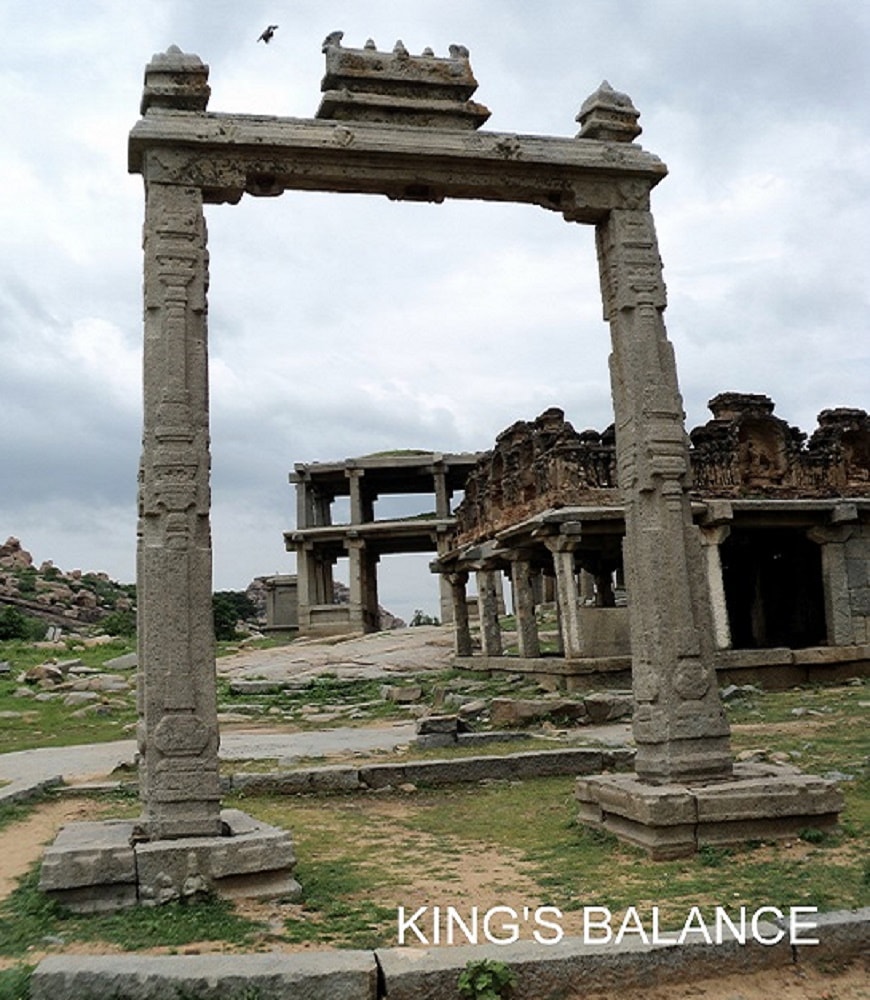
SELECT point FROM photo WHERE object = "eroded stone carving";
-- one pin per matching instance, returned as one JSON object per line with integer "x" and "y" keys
{"x": 398, "y": 88}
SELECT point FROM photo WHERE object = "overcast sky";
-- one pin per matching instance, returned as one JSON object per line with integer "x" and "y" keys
{"x": 342, "y": 325}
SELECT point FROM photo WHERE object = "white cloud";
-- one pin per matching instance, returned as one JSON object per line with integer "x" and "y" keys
{"x": 343, "y": 325}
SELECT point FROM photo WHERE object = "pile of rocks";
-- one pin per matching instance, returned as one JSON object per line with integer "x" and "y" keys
{"x": 77, "y": 686}
{"x": 47, "y": 592}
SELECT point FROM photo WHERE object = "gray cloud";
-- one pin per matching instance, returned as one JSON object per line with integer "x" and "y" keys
{"x": 342, "y": 325}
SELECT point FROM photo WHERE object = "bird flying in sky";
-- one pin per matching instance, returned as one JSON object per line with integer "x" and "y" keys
{"x": 268, "y": 33}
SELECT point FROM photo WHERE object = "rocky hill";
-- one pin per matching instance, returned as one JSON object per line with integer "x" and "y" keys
{"x": 58, "y": 597}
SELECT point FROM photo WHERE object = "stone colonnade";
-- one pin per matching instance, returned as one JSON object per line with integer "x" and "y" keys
{"x": 544, "y": 557}
{"x": 321, "y": 539}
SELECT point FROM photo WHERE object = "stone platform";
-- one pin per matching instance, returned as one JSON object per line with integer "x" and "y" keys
{"x": 95, "y": 867}
{"x": 760, "y": 802}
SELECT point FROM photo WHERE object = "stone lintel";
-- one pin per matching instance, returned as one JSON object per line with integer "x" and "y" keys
{"x": 669, "y": 821}
{"x": 227, "y": 155}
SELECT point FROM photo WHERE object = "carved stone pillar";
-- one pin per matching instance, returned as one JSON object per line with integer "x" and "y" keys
{"x": 712, "y": 537}
{"x": 324, "y": 582}
{"x": 356, "y": 582}
{"x": 524, "y": 605}
{"x": 304, "y": 516}
{"x": 443, "y": 541}
{"x": 363, "y": 584}
{"x": 835, "y": 581}
{"x": 306, "y": 585}
{"x": 178, "y": 734}
{"x": 679, "y": 723}
{"x": 587, "y": 587}
{"x": 357, "y": 502}
{"x": 442, "y": 493}
{"x": 488, "y": 605}
{"x": 461, "y": 632}
{"x": 567, "y": 597}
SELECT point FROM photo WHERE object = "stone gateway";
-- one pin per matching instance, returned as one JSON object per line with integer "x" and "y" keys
{"x": 403, "y": 126}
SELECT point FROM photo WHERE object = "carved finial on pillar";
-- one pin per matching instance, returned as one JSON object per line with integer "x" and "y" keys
{"x": 608, "y": 115}
{"x": 333, "y": 41}
{"x": 176, "y": 80}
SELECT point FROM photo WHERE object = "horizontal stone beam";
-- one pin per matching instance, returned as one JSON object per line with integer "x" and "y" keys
{"x": 228, "y": 155}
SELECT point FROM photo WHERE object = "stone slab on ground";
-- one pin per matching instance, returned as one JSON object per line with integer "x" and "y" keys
{"x": 95, "y": 867}
{"x": 128, "y": 661}
{"x": 431, "y": 973}
{"x": 88, "y": 854}
{"x": 328, "y": 975}
{"x": 447, "y": 771}
{"x": 842, "y": 934}
{"x": 571, "y": 967}
{"x": 760, "y": 801}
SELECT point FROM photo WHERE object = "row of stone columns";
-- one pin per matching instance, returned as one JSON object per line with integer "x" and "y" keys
{"x": 574, "y": 590}
{"x": 524, "y": 580}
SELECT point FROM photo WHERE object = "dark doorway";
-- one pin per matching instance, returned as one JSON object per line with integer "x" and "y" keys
{"x": 773, "y": 588}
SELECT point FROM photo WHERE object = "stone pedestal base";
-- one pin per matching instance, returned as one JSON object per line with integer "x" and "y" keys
{"x": 760, "y": 802}
{"x": 93, "y": 867}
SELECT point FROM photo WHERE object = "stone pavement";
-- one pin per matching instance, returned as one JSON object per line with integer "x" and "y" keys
{"x": 26, "y": 770}
{"x": 378, "y": 656}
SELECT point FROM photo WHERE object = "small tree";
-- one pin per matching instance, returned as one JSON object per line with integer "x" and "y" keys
{"x": 225, "y": 617}
{"x": 421, "y": 618}
{"x": 122, "y": 623}
{"x": 15, "y": 625}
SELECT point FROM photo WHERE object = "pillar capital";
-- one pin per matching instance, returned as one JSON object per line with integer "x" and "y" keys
{"x": 562, "y": 543}
{"x": 714, "y": 534}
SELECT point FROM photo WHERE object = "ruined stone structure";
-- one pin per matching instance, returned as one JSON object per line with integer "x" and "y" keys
{"x": 362, "y": 537}
{"x": 402, "y": 126}
{"x": 783, "y": 524}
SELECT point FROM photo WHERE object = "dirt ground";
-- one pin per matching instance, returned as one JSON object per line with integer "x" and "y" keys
{"x": 21, "y": 844}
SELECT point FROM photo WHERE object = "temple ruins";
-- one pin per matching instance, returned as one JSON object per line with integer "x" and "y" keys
{"x": 322, "y": 537}
{"x": 404, "y": 126}
{"x": 784, "y": 524}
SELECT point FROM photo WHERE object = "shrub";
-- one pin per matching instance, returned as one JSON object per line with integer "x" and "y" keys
{"x": 15, "y": 625}
{"x": 228, "y": 606}
{"x": 421, "y": 618}
{"x": 121, "y": 623}
{"x": 486, "y": 980}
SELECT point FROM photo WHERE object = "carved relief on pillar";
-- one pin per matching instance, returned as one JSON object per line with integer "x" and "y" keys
{"x": 629, "y": 262}
{"x": 679, "y": 724}
{"x": 178, "y": 729}
{"x": 643, "y": 368}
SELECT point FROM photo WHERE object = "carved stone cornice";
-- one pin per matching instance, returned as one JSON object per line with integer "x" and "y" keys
{"x": 228, "y": 155}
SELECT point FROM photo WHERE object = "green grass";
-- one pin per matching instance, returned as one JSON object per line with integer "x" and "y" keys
{"x": 363, "y": 855}
{"x": 28, "y": 918}
{"x": 50, "y": 723}
{"x": 15, "y": 982}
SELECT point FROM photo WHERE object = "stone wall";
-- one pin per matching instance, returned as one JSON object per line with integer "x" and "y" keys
{"x": 536, "y": 465}
{"x": 743, "y": 452}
